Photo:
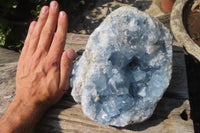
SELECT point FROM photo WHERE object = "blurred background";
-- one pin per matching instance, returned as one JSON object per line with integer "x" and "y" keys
{"x": 16, "y": 15}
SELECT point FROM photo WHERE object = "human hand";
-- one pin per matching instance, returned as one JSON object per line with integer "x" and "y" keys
{"x": 43, "y": 70}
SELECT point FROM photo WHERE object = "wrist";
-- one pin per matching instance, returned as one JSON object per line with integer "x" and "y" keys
{"x": 21, "y": 116}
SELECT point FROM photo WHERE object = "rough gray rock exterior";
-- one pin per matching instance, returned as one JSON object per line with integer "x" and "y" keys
{"x": 125, "y": 69}
{"x": 179, "y": 31}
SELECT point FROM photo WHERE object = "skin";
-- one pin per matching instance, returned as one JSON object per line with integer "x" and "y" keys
{"x": 43, "y": 71}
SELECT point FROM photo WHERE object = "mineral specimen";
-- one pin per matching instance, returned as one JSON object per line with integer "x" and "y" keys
{"x": 125, "y": 69}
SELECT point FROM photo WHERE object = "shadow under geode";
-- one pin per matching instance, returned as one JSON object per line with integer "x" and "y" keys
{"x": 174, "y": 97}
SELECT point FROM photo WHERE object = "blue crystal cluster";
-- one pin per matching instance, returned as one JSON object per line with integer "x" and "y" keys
{"x": 125, "y": 69}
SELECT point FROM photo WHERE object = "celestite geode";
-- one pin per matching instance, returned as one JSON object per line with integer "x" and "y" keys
{"x": 125, "y": 69}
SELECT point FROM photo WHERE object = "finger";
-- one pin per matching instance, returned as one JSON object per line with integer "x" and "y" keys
{"x": 59, "y": 39}
{"x": 37, "y": 31}
{"x": 27, "y": 40}
{"x": 49, "y": 27}
{"x": 65, "y": 68}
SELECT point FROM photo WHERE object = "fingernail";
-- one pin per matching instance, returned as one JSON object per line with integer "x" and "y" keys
{"x": 44, "y": 10}
{"x": 53, "y": 4}
{"x": 70, "y": 53}
{"x": 33, "y": 23}
{"x": 62, "y": 14}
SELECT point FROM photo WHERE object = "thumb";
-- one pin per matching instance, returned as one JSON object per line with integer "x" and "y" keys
{"x": 65, "y": 68}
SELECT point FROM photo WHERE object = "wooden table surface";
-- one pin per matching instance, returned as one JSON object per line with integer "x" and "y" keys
{"x": 172, "y": 114}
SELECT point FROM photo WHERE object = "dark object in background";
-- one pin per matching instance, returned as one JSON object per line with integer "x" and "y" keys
{"x": 193, "y": 75}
